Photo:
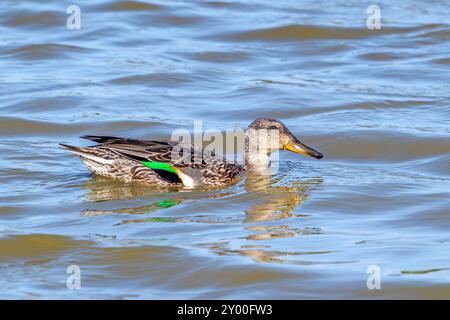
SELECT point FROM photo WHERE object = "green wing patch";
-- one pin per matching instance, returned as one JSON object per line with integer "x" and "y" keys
{"x": 159, "y": 166}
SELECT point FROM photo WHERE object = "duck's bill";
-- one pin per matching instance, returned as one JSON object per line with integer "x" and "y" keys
{"x": 300, "y": 148}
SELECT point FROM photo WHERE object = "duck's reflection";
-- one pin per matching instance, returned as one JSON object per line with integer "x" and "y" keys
{"x": 274, "y": 202}
{"x": 260, "y": 253}
{"x": 271, "y": 202}
{"x": 104, "y": 189}
{"x": 147, "y": 209}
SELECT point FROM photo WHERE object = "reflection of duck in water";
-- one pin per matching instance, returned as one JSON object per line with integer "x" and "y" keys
{"x": 271, "y": 198}
{"x": 269, "y": 201}
{"x": 104, "y": 189}
{"x": 147, "y": 209}
{"x": 101, "y": 189}
{"x": 277, "y": 203}
{"x": 264, "y": 220}
{"x": 152, "y": 162}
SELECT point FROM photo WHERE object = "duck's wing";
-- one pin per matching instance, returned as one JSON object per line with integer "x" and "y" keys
{"x": 147, "y": 150}
{"x": 181, "y": 161}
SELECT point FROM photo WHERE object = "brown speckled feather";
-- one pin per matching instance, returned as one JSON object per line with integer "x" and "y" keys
{"x": 120, "y": 158}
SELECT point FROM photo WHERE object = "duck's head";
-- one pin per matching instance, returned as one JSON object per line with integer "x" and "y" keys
{"x": 286, "y": 140}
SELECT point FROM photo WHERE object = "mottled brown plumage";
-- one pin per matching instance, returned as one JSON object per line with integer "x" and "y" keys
{"x": 170, "y": 164}
{"x": 121, "y": 159}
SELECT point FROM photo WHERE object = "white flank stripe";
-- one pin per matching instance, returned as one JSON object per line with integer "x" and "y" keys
{"x": 94, "y": 158}
{"x": 187, "y": 181}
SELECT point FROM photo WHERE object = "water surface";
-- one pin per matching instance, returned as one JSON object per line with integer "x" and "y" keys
{"x": 375, "y": 102}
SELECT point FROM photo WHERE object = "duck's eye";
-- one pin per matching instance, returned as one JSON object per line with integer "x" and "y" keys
{"x": 273, "y": 127}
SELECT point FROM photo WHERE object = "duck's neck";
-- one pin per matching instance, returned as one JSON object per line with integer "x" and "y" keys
{"x": 256, "y": 160}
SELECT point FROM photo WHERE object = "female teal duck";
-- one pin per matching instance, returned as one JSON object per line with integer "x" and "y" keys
{"x": 153, "y": 162}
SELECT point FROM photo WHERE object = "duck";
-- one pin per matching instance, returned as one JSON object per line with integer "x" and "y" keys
{"x": 153, "y": 162}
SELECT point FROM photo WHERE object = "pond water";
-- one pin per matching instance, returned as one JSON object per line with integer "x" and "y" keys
{"x": 375, "y": 102}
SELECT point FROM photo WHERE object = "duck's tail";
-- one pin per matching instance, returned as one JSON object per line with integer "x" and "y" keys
{"x": 89, "y": 154}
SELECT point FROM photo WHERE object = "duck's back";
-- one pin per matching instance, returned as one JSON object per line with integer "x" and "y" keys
{"x": 155, "y": 162}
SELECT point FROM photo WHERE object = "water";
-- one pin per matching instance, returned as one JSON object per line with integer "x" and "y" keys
{"x": 375, "y": 102}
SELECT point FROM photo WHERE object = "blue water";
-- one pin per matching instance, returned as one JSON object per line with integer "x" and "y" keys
{"x": 375, "y": 102}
